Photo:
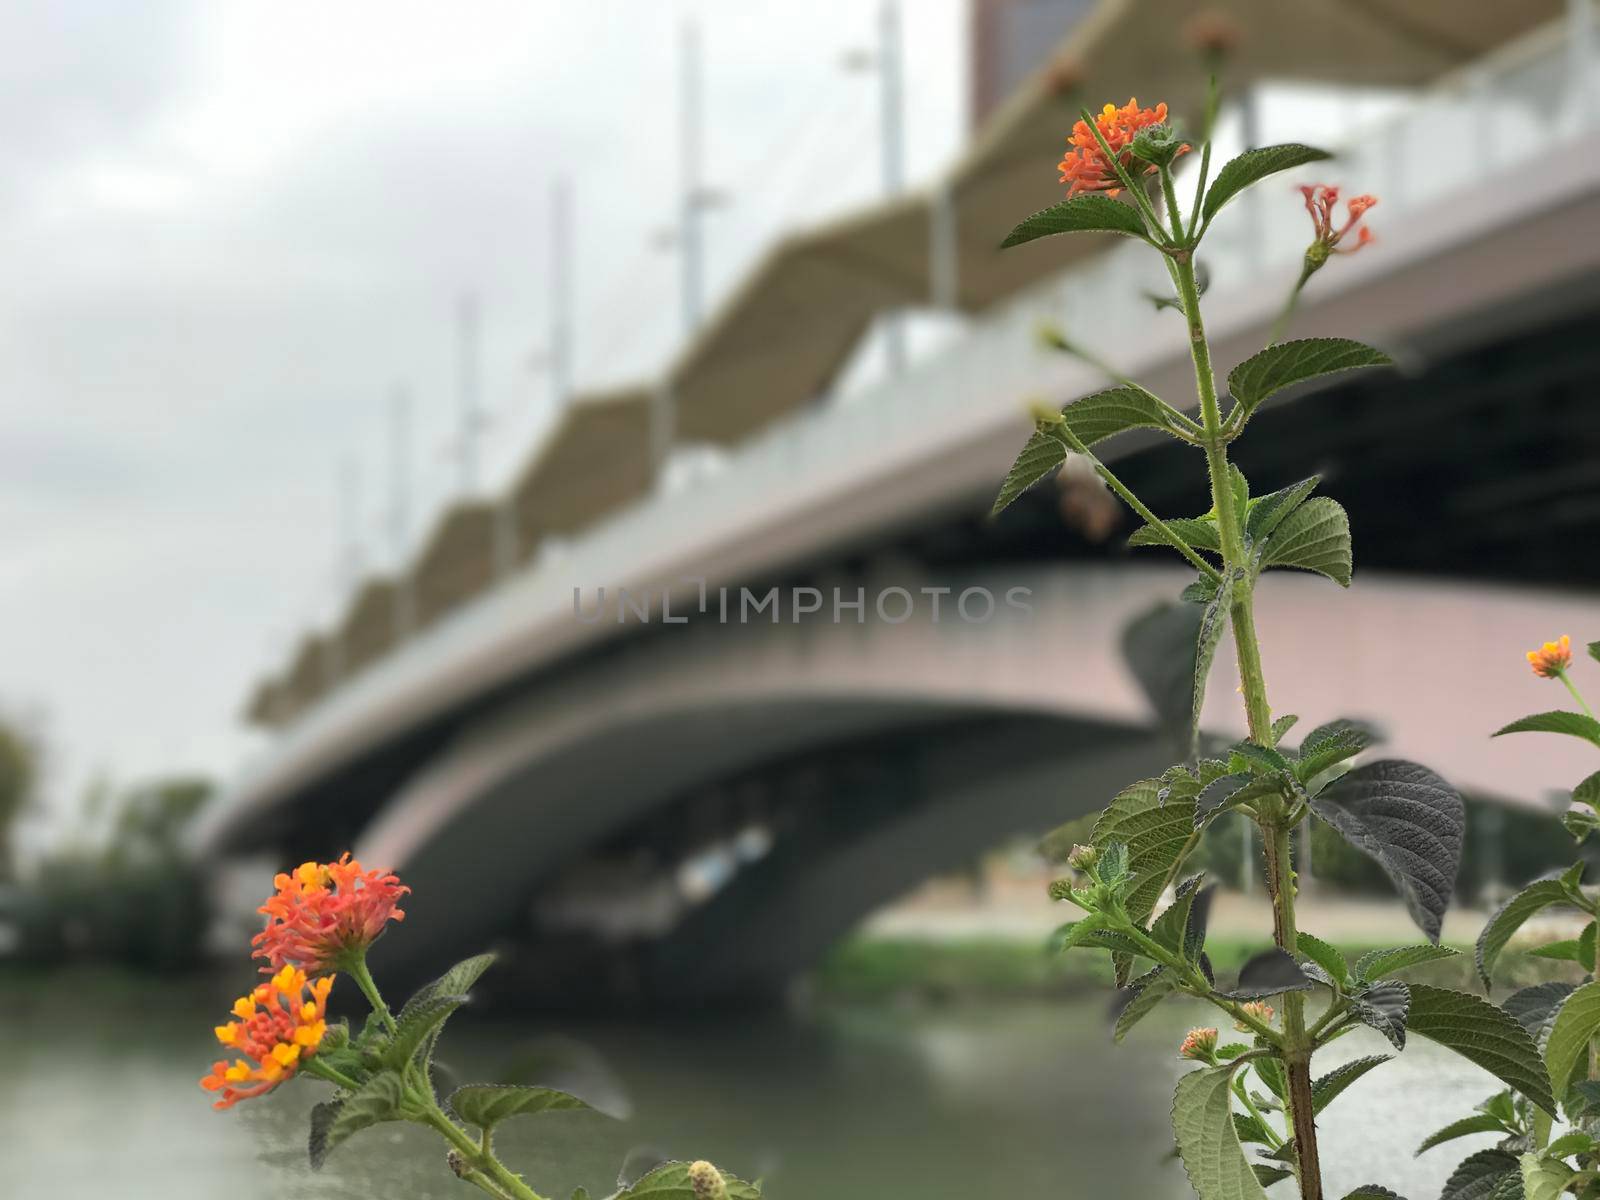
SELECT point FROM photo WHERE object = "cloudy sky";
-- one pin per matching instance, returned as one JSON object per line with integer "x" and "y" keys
{"x": 230, "y": 230}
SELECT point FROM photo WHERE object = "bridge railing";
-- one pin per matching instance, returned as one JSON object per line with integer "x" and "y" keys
{"x": 1475, "y": 129}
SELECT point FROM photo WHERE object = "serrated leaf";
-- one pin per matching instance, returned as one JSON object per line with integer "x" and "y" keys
{"x": 1088, "y": 213}
{"x": 670, "y": 1181}
{"x": 1327, "y": 1089}
{"x": 487, "y": 1104}
{"x": 1375, "y": 964}
{"x": 379, "y": 1099}
{"x": 1535, "y": 1007}
{"x": 1330, "y": 750}
{"x": 1576, "y": 1022}
{"x": 1314, "y": 537}
{"x": 1092, "y": 419}
{"x": 1267, "y": 974}
{"x": 1287, "y": 363}
{"x": 1371, "y": 1191}
{"x": 1213, "y": 620}
{"x": 1325, "y": 956}
{"x": 1282, "y": 726}
{"x": 1588, "y": 792}
{"x": 1254, "y": 165}
{"x": 1544, "y": 1178}
{"x": 1156, "y": 834}
{"x": 1478, "y": 1175}
{"x": 1511, "y": 916}
{"x": 1575, "y": 1142}
{"x": 1143, "y": 1003}
{"x": 1566, "y": 950}
{"x": 1170, "y": 929}
{"x": 1485, "y": 1035}
{"x": 1223, "y": 792}
{"x": 1574, "y": 724}
{"x": 1202, "y": 1120}
{"x": 1267, "y": 512}
{"x": 1411, "y": 822}
{"x": 1199, "y": 532}
{"x": 1465, "y": 1127}
{"x": 1252, "y": 1129}
{"x": 414, "y": 1025}
{"x": 1385, "y": 1007}
{"x": 1268, "y": 1175}
{"x": 1270, "y": 1072}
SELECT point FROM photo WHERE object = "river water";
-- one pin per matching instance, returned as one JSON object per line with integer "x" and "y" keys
{"x": 98, "y": 1100}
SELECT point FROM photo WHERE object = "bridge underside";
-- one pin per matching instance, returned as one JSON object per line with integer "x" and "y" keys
{"x": 650, "y": 885}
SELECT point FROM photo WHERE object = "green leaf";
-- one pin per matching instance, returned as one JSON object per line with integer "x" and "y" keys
{"x": 1576, "y": 1142}
{"x": 1478, "y": 1175}
{"x": 1325, "y": 956}
{"x": 1042, "y": 454}
{"x": 670, "y": 1181}
{"x": 1372, "y": 1191}
{"x": 1092, "y": 419}
{"x": 1282, "y": 726}
{"x": 1202, "y": 1119}
{"x": 1171, "y": 928}
{"x": 487, "y": 1104}
{"x": 1575, "y": 724}
{"x": 1576, "y": 1022}
{"x": 1594, "y": 651}
{"x": 1089, "y": 213}
{"x": 1212, "y": 622}
{"x": 1156, "y": 834}
{"x": 1326, "y": 1089}
{"x": 1385, "y": 1007}
{"x": 1567, "y": 950}
{"x": 1375, "y": 964}
{"x": 1535, "y": 1007}
{"x": 1267, "y": 1175}
{"x": 1317, "y": 756}
{"x": 1288, "y": 363}
{"x": 1544, "y": 1178}
{"x": 1270, "y": 1072}
{"x": 1314, "y": 537}
{"x": 1268, "y": 512}
{"x": 415, "y": 1022}
{"x": 1254, "y": 165}
{"x": 1588, "y": 792}
{"x": 1511, "y": 916}
{"x": 1485, "y": 1035}
{"x": 1465, "y": 1127}
{"x": 377, "y": 1100}
{"x": 1199, "y": 532}
{"x": 1252, "y": 1129}
{"x": 1158, "y": 646}
{"x": 1143, "y": 1003}
{"x": 1411, "y": 822}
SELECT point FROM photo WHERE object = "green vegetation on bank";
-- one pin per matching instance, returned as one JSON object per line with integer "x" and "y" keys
{"x": 874, "y": 969}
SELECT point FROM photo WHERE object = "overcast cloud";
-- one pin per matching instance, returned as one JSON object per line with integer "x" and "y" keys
{"x": 229, "y": 229}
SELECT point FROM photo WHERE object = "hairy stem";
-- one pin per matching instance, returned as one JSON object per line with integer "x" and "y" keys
{"x": 1258, "y": 712}
{"x": 483, "y": 1162}
{"x": 356, "y": 968}
{"x": 1573, "y": 688}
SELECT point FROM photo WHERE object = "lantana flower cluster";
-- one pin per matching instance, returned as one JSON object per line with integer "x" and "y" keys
{"x": 1086, "y": 168}
{"x": 319, "y": 916}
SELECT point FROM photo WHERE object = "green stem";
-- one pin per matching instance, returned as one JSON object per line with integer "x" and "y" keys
{"x": 1073, "y": 443}
{"x": 1571, "y": 687}
{"x": 1213, "y": 96}
{"x": 1196, "y": 983}
{"x": 1250, "y": 1107}
{"x": 1157, "y": 235}
{"x": 1252, "y": 683}
{"x": 485, "y": 1162}
{"x": 315, "y": 1066}
{"x": 1285, "y": 314}
{"x": 356, "y": 968}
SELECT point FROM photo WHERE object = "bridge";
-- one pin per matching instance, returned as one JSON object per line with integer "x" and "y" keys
{"x": 650, "y": 792}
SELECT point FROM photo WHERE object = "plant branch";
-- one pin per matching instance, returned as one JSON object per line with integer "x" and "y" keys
{"x": 1072, "y": 442}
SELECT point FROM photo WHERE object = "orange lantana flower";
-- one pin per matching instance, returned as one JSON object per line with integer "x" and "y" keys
{"x": 1320, "y": 199}
{"x": 1085, "y": 167}
{"x": 278, "y": 1028}
{"x": 321, "y": 912}
{"x": 1552, "y": 658}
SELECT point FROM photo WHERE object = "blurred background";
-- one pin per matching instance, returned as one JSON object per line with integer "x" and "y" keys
{"x": 547, "y": 449}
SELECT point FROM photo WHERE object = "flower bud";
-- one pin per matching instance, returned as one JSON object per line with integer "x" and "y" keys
{"x": 1260, "y": 1010}
{"x": 1199, "y": 1044}
{"x": 1083, "y": 858}
{"x": 707, "y": 1182}
{"x": 1157, "y": 145}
